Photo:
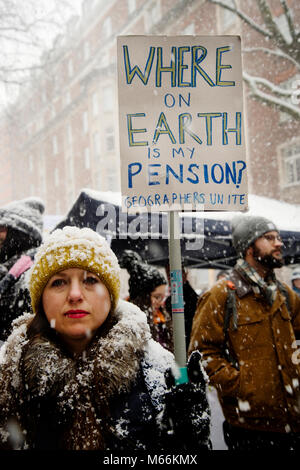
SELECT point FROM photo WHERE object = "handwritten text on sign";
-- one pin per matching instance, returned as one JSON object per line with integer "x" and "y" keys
{"x": 181, "y": 123}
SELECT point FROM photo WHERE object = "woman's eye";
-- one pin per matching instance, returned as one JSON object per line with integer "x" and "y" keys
{"x": 90, "y": 280}
{"x": 57, "y": 283}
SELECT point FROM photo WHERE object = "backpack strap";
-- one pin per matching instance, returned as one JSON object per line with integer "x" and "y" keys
{"x": 230, "y": 308}
{"x": 284, "y": 291}
{"x": 231, "y": 313}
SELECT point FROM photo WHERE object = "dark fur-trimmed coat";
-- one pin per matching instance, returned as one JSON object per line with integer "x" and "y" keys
{"x": 111, "y": 397}
{"x": 14, "y": 294}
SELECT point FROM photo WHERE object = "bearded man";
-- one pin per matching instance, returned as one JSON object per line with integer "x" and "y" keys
{"x": 246, "y": 328}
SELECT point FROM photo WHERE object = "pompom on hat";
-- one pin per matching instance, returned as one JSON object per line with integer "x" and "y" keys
{"x": 247, "y": 229}
{"x": 72, "y": 247}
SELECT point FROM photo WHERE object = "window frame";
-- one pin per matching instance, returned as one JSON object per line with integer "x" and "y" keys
{"x": 292, "y": 160}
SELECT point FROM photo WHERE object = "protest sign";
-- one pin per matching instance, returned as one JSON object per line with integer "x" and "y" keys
{"x": 181, "y": 123}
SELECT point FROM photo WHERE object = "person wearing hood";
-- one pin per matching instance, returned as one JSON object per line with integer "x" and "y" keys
{"x": 82, "y": 372}
{"x": 21, "y": 226}
{"x": 148, "y": 290}
{"x": 295, "y": 279}
{"x": 246, "y": 328}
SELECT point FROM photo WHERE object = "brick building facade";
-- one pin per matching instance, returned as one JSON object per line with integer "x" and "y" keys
{"x": 63, "y": 135}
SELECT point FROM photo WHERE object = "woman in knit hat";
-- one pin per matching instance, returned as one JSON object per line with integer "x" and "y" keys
{"x": 82, "y": 372}
{"x": 148, "y": 290}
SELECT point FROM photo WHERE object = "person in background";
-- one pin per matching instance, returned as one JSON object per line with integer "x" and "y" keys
{"x": 21, "y": 227}
{"x": 246, "y": 328}
{"x": 82, "y": 372}
{"x": 148, "y": 290}
{"x": 190, "y": 298}
{"x": 222, "y": 274}
{"x": 295, "y": 279}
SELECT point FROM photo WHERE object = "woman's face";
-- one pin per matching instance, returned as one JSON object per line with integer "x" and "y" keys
{"x": 158, "y": 296}
{"x": 76, "y": 304}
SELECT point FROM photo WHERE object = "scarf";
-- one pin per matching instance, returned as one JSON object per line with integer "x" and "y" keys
{"x": 265, "y": 287}
{"x": 297, "y": 290}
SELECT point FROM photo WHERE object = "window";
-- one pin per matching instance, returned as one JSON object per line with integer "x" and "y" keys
{"x": 70, "y": 68}
{"x": 109, "y": 139}
{"x": 153, "y": 14}
{"x": 111, "y": 179}
{"x": 86, "y": 50}
{"x": 107, "y": 98}
{"x": 228, "y": 18}
{"x": 131, "y": 6}
{"x": 85, "y": 122}
{"x": 107, "y": 27}
{"x": 54, "y": 145}
{"x": 288, "y": 86}
{"x": 95, "y": 104}
{"x": 104, "y": 59}
{"x": 283, "y": 27}
{"x": 57, "y": 207}
{"x": 190, "y": 29}
{"x": 97, "y": 144}
{"x": 70, "y": 167}
{"x": 67, "y": 98}
{"x": 41, "y": 122}
{"x": 30, "y": 163}
{"x": 42, "y": 174}
{"x": 99, "y": 179}
{"x": 290, "y": 156}
{"x": 87, "y": 162}
{"x": 56, "y": 177}
{"x": 44, "y": 96}
{"x": 69, "y": 134}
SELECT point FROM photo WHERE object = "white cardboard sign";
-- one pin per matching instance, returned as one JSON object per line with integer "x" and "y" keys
{"x": 181, "y": 123}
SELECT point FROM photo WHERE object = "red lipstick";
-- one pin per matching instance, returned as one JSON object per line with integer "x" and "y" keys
{"x": 76, "y": 313}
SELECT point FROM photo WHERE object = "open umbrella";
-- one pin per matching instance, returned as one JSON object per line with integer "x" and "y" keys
{"x": 206, "y": 240}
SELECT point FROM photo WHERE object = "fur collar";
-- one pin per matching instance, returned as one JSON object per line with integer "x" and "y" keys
{"x": 116, "y": 356}
{"x": 85, "y": 385}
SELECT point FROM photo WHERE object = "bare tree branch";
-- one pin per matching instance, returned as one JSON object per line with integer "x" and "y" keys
{"x": 283, "y": 46}
{"x": 289, "y": 19}
{"x": 272, "y": 100}
{"x": 276, "y": 90}
{"x": 270, "y": 23}
{"x": 247, "y": 19}
{"x": 27, "y": 33}
{"x": 277, "y": 53}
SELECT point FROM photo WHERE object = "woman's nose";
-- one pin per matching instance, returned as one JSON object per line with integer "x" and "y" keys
{"x": 75, "y": 291}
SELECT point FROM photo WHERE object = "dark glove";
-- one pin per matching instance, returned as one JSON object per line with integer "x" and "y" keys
{"x": 186, "y": 417}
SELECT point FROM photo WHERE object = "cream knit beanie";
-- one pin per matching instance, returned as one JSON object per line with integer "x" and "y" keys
{"x": 72, "y": 247}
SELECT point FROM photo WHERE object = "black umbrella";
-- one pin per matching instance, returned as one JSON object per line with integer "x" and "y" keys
{"x": 205, "y": 242}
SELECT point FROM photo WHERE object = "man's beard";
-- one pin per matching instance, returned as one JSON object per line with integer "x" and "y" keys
{"x": 268, "y": 261}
